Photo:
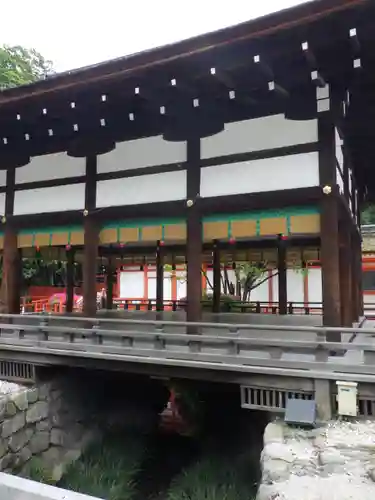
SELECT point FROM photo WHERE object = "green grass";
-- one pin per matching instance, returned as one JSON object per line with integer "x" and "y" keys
{"x": 106, "y": 469}
{"x": 216, "y": 477}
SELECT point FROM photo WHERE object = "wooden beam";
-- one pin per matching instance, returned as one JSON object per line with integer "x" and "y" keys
{"x": 345, "y": 274}
{"x": 282, "y": 276}
{"x": 329, "y": 222}
{"x": 91, "y": 240}
{"x": 194, "y": 232}
{"x": 70, "y": 254}
{"x": 216, "y": 278}
{"x": 109, "y": 283}
{"x": 159, "y": 278}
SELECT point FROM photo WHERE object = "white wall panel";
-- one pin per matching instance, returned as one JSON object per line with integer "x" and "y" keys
{"x": 3, "y": 177}
{"x": 260, "y": 293}
{"x": 339, "y": 154}
{"x": 151, "y": 188}
{"x": 294, "y": 284}
{"x": 2, "y": 203}
{"x": 142, "y": 153}
{"x": 271, "y": 174}
{"x": 131, "y": 285}
{"x": 54, "y": 199}
{"x": 315, "y": 285}
{"x": 259, "y": 134}
{"x": 48, "y": 167}
{"x": 339, "y": 180}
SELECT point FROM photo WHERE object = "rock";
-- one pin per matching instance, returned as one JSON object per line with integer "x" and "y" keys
{"x": 371, "y": 474}
{"x": 275, "y": 470}
{"x": 3, "y": 447}
{"x": 44, "y": 392}
{"x": 2, "y": 409}
{"x": 277, "y": 451}
{"x": 20, "y": 439}
{"x": 37, "y": 412}
{"x": 22, "y": 457}
{"x": 39, "y": 442}
{"x": 43, "y": 425}
{"x": 10, "y": 409}
{"x": 331, "y": 457}
{"x": 20, "y": 400}
{"x": 52, "y": 456}
{"x": 6, "y": 461}
{"x": 13, "y": 425}
{"x": 57, "y": 437}
{"x": 273, "y": 433}
{"x": 32, "y": 395}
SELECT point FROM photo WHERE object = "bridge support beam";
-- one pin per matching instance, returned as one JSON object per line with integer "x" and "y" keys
{"x": 194, "y": 242}
{"x": 323, "y": 399}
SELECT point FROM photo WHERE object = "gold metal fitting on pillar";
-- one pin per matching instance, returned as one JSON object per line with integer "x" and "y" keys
{"x": 3, "y": 219}
{"x": 85, "y": 213}
{"x": 327, "y": 190}
{"x": 189, "y": 203}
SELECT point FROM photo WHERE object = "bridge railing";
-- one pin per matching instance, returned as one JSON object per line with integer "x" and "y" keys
{"x": 288, "y": 350}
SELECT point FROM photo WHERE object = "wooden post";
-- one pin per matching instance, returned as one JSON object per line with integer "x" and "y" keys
{"x": 282, "y": 276}
{"x": 12, "y": 270}
{"x": 91, "y": 240}
{"x": 159, "y": 278}
{"x": 216, "y": 278}
{"x": 12, "y": 263}
{"x": 194, "y": 232}
{"x": 329, "y": 216}
{"x": 357, "y": 290}
{"x": 70, "y": 280}
{"x": 345, "y": 274}
{"x": 109, "y": 283}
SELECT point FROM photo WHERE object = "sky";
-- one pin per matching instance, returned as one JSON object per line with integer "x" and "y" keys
{"x": 75, "y": 33}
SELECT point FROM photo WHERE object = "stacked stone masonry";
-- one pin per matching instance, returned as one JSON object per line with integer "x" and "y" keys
{"x": 41, "y": 425}
{"x": 333, "y": 462}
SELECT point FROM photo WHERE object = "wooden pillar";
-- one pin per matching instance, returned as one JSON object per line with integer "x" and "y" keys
{"x": 357, "y": 290}
{"x": 329, "y": 215}
{"x": 12, "y": 269}
{"x": 159, "y": 278}
{"x": 12, "y": 262}
{"x": 194, "y": 232}
{"x": 69, "y": 280}
{"x": 345, "y": 274}
{"x": 91, "y": 240}
{"x": 109, "y": 284}
{"x": 216, "y": 278}
{"x": 282, "y": 275}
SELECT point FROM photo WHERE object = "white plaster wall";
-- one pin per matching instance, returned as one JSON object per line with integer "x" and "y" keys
{"x": 3, "y": 177}
{"x": 131, "y": 285}
{"x": 315, "y": 285}
{"x": 271, "y": 174}
{"x": 140, "y": 153}
{"x": 167, "y": 288}
{"x": 151, "y": 188}
{"x": 48, "y": 167}
{"x": 259, "y": 134}
{"x": 294, "y": 284}
{"x": 2, "y": 203}
{"x": 261, "y": 293}
{"x": 53, "y": 199}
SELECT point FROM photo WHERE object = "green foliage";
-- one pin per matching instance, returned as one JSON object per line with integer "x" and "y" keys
{"x": 19, "y": 66}
{"x": 215, "y": 477}
{"x": 37, "y": 471}
{"x": 368, "y": 215}
{"x": 108, "y": 468}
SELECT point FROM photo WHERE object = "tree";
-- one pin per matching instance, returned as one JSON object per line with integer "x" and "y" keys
{"x": 368, "y": 215}
{"x": 19, "y": 66}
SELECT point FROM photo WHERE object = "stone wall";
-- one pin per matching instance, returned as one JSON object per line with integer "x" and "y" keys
{"x": 43, "y": 426}
{"x": 333, "y": 462}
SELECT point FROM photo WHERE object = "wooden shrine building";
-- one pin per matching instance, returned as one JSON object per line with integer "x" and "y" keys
{"x": 259, "y": 137}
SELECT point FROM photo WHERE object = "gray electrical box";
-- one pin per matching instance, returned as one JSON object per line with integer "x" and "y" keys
{"x": 300, "y": 412}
